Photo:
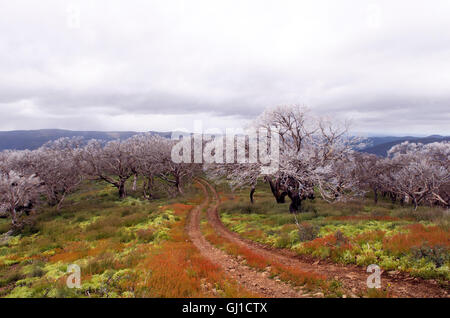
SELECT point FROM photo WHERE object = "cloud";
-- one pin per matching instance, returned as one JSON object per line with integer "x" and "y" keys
{"x": 120, "y": 65}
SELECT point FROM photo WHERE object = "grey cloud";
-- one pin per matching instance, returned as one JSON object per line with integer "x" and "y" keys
{"x": 152, "y": 58}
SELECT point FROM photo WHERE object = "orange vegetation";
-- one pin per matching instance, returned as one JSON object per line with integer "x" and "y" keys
{"x": 418, "y": 234}
{"x": 364, "y": 218}
{"x": 369, "y": 236}
{"x": 177, "y": 269}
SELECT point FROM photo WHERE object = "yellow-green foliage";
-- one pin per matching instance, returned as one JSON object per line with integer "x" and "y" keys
{"x": 105, "y": 236}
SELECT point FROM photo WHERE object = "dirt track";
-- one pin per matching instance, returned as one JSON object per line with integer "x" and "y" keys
{"x": 251, "y": 279}
{"x": 353, "y": 278}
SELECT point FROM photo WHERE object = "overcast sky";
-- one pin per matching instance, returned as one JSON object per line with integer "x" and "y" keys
{"x": 159, "y": 65}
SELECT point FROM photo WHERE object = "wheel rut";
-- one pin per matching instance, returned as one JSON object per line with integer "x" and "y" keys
{"x": 249, "y": 278}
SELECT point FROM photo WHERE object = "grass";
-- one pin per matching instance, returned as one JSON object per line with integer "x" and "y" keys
{"x": 125, "y": 248}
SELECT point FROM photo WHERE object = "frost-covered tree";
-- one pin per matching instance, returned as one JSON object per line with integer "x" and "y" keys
{"x": 114, "y": 162}
{"x": 314, "y": 153}
{"x": 368, "y": 171}
{"x": 57, "y": 164}
{"x": 151, "y": 152}
{"x": 174, "y": 173}
{"x": 18, "y": 194}
{"x": 420, "y": 172}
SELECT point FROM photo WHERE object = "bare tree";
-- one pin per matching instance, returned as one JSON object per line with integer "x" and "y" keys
{"x": 314, "y": 153}
{"x": 419, "y": 171}
{"x": 151, "y": 151}
{"x": 115, "y": 162}
{"x": 174, "y": 173}
{"x": 368, "y": 171}
{"x": 18, "y": 193}
{"x": 57, "y": 164}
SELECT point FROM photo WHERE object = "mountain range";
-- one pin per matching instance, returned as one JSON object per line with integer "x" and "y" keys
{"x": 32, "y": 139}
{"x": 381, "y": 145}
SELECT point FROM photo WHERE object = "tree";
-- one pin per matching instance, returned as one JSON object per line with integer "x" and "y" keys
{"x": 419, "y": 171}
{"x": 150, "y": 151}
{"x": 314, "y": 152}
{"x": 368, "y": 169}
{"x": 57, "y": 164}
{"x": 172, "y": 172}
{"x": 115, "y": 162}
{"x": 18, "y": 194}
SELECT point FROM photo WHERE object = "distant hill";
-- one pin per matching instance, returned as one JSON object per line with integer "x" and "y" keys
{"x": 381, "y": 145}
{"x": 33, "y": 139}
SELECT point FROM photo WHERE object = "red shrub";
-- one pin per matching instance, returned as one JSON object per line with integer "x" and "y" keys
{"x": 417, "y": 236}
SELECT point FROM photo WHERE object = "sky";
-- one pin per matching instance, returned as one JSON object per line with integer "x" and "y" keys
{"x": 160, "y": 65}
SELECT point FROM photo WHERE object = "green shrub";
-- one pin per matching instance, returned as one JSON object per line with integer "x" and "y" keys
{"x": 422, "y": 214}
{"x": 307, "y": 232}
{"x": 5, "y": 227}
{"x": 37, "y": 271}
{"x": 145, "y": 235}
{"x": 438, "y": 254}
{"x": 283, "y": 241}
{"x": 341, "y": 239}
{"x": 10, "y": 278}
{"x": 379, "y": 212}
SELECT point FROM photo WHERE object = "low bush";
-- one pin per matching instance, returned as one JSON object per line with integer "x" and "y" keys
{"x": 307, "y": 231}
{"x": 438, "y": 254}
{"x": 145, "y": 235}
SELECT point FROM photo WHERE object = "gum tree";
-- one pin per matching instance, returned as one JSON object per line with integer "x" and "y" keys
{"x": 113, "y": 162}
{"x": 18, "y": 193}
{"x": 150, "y": 151}
{"x": 57, "y": 164}
{"x": 419, "y": 172}
{"x": 314, "y": 153}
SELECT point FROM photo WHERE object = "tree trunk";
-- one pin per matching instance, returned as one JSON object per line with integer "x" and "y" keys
{"x": 415, "y": 204}
{"x": 296, "y": 202}
{"x": 134, "y": 182}
{"x": 282, "y": 197}
{"x": 393, "y": 197}
{"x": 178, "y": 185}
{"x": 252, "y": 191}
{"x": 122, "y": 192}
{"x": 179, "y": 188}
{"x": 375, "y": 195}
{"x": 148, "y": 188}
{"x": 58, "y": 207}
{"x": 275, "y": 188}
{"x": 14, "y": 217}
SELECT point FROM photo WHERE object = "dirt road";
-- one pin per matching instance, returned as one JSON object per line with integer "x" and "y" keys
{"x": 251, "y": 279}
